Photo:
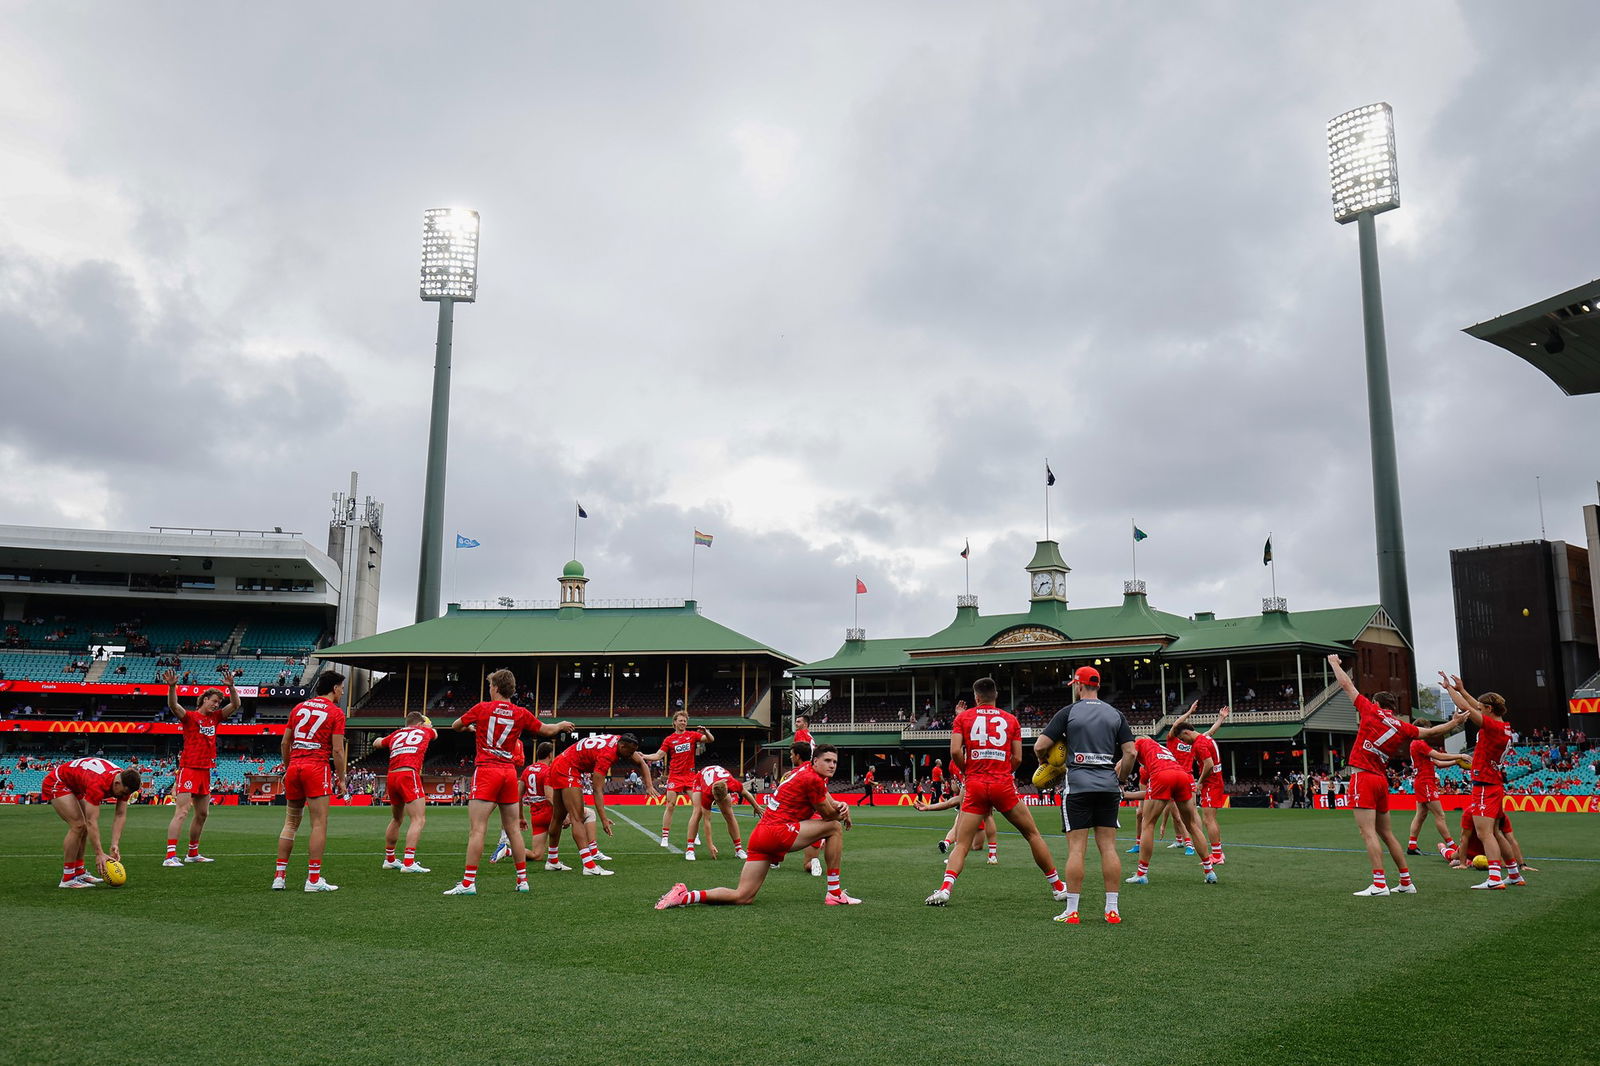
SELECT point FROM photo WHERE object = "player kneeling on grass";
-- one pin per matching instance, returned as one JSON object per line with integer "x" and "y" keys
{"x": 787, "y": 826}
{"x": 495, "y": 724}
{"x": 1488, "y": 713}
{"x": 1168, "y": 788}
{"x": 715, "y": 785}
{"x": 76, "y": 789}
{"x": 593, "y": 756}
{"x": 988, "y": 743}
{"x": 403, "y": 785}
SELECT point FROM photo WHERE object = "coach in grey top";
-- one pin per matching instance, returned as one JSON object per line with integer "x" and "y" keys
{"x": 1100, "y": 754}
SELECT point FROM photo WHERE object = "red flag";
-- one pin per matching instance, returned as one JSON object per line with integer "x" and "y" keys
{"x": 861, "y": 586}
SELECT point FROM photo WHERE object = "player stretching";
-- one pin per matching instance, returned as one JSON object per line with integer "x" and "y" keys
{"x": 536, "y": 809}
{"x": 1181, "y": 742}
{"x": 1425, "y": 787}
{"x": 1168, "y": 787}
{"x": 715, "y": 785}
{"x": 312, "y": 739}
{"x": 1488, "y": 713}
{"x": 495, "y": 724}
{"x": 76, "y": 789}
{"x": 403, "y": 786}
{"x": 1379, "y": 736}
{"x": 593, "y": 756}
{"x": 1210, "y": 793}
{"x": 990, "y": 833}
{"x": 678, "y": 748}
{"x": 197, "y": 760}
{"x": 786, "y": 825}
{"x": 988, "y": 742}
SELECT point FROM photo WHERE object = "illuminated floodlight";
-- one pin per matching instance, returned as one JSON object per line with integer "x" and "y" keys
{"x": 450, "y": 254}
{"x": 1361, "y": 162}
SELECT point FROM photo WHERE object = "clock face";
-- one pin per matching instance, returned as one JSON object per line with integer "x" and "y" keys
{"x": 1061, "y": 584}
{"x": 1042, "y": 584}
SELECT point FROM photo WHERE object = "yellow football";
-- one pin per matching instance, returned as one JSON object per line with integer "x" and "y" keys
{"x": 116, "y": 874}
{"x": 1047, "y": 775}
{"x": 1480, "y": 862}
{"x": 1057, "y": 756}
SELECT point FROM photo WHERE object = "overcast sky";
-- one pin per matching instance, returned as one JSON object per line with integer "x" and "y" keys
{"x": 827, "y": 281}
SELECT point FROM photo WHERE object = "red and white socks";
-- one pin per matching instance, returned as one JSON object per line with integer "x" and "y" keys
{"x": 522, "y": 872}
{"x": 1143, "y": 870}
{"x": 194, "y": 849}
{"x": 833, "y": 882}
{"x": 588, "y": 854}
{"x": 469, "y": 876}
{"x": 695, "y": 897}
{"x": 1056, "y": 884}
{"x": 949, "y": 881}
{"x": 994, "y": 852}
{"x": 1405, "y": 877}
{"x": 172, "y": 847}
{"x": 1379, "y": 879}
{"x": 388, "y": 853}
{"x": 411, "y": 856}
{"x": 282, "y": 868}
{"x": 313, "y": 872}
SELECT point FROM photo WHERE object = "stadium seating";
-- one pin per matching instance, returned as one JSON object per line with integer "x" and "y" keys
{"x": 40, "y": 666}
{"x": 280, "y": 637}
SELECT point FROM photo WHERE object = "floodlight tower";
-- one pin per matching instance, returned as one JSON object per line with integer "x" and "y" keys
{"x": 1366, "y": 181}
{"x": 449, "y": 276}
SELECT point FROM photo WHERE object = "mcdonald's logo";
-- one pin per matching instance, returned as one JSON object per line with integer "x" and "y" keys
{"x": 1587, "y": 705}
{"x": 1554, "y": 804}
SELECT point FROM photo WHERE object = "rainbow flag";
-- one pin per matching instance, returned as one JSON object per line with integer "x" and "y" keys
{"x": 702, "y": 540}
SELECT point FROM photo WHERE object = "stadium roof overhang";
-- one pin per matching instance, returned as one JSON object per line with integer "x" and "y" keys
{"x": 1260, "y": 731}
{"x": 849, "y": 741}
{"x": 1559, "y": 336}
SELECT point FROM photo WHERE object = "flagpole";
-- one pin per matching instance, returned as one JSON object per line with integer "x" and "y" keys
{"x": 1135, "y": 534}
{"x": 574, "y": 529}
{"x": 1047, "y": 498}
{"x": 692, "y": 554}
{"x": 1272, "y": 566}
{"x": 857, "y": 596}
{"x": 455, "y": 570}
{"x": 967, "y": 562}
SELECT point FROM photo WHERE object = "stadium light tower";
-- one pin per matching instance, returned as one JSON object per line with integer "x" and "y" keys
{"x": 1366, "y": 181}
{"x": 449, "y": 276}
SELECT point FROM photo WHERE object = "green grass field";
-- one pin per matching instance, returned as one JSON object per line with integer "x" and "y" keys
{"x": 1278, "y": 963}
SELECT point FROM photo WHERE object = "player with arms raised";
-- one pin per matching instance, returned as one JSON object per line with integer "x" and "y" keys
{"x": 715, "y": 784}
{"x": 402, "y": 785}
{"x": 1167, "y": 788}
{"x": 314, "y": 757}
{"x": 196, "y": 761}
{"x": 593, "y": 756}
{"x": 678, "y": 750}
{"x": 495, "y": 724}
{"x": 988, "y": 742}
{"x": 76, "y": 789}
{"x": 1425, "y": 788}
{"x": 1488, "y": 713}
{"x": 787, "y": 826}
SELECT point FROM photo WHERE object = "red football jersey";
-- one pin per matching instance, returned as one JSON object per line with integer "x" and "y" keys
{"x": 707, "y": 779}
{"x": 408, "y": 746}
{"x": 1206, "y": 748}
{"x": 1378, "y": 737}
{"x": 1493, "y": 737}
{"x": 680, "y": 751}
{"x": 988, "y": 732}
{"x": 314, "y": 724}
{"x": 1153, "y": 758}
{"x": 1184, "y": 752}
{"x": 533, "y": 784}
{"x": 498, "y": 722}
{"x": 89, "y": 779}
{"x": 199, "y": 740}
{"x": 798, "y": 796}
{"x": 1426, "y": 773}
{"x": 803, "y": 736}
{"x": 591, "y": 755}
{"x": 937, "y": 775}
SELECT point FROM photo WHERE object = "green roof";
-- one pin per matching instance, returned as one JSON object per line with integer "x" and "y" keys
{"x": 607, "y": 631}
{"x": 1260, "y": 731}
{"x": 847, "y": 740}
{"x": 572, "y": 569}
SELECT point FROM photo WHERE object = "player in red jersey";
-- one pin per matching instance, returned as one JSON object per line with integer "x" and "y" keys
{"x": 987, "y": 741}
{"x": 716, "y": 785}
{"x": 196, "y": 761}
{"x": 956, "y": 791}
{"x": 1210, "y": 793}
{"x": 786, "y": 826}
{"x": 536, "y": 809}
{"x": 593, "y": 756}
{"x": 1425, "y": 788}
{"x": 678, "y": 750}
{"x": 312, "y": 740}
{"x": 1167, "y": 786}
{"x": 408, "y": 746}
{"x": 1488, "y": 713}
{"x": 495, "y": 723}
{"x": 802, "y": 730}
{"x": 1461, "y": 858}
{"x": 1379, "y": 737}
{"x": 1181, "y": 743}
{"x": 76, "y": 789}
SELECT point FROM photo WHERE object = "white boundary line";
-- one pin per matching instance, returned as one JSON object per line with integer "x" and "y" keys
{"x": 654, "y": 837}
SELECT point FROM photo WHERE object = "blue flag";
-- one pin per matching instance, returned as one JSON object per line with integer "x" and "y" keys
{"x": 581, "y": 512}
{"x": 1139, "y": 534}
{"x": 465, "y": 542}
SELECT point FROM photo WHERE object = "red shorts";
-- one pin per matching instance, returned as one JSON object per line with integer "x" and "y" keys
{"x": 682, "y": 785}
{"x": 557, "y": 779}
{"x": 1369, "y": 791}
{"x": 403, "y": 785}
{"x": 194, "y": 782}
{"x": 1214, "y": 794}
{"x": 53, "y": 788}
{"x": 1488, "y": 801}
{"x": 539, "y": 818}
{"x": 770, "y": 841}
{"x": 984, "y": 795}
{"x": 1426, "y": 791}
{"x": 495, "y": 783}
{"x": 704, "y": 800}
{"x": 307, "y": 780}
{"x": 1171, "y": 785}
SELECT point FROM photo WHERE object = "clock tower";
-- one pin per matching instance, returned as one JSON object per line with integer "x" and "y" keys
{"x": 1047, "y": 574}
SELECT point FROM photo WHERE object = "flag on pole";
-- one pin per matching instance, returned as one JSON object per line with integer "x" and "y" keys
{"x": 465, "y": 542}
{"x": 1266, "y": 553}
{"x": 966, "y": 549}
{"x": 581, "y": 512}
{"x": 1049, "y": 476}
{"x": 702, "y": 540}
{"x": 1139, "y": 534}
{"x": 861, "y": 586}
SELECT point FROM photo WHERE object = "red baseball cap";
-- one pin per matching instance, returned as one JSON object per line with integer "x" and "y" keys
{"x": 1086, "y": 675}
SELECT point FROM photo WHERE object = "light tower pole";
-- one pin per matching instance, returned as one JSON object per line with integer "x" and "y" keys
{"x": 1366, "y": 181}
{"x": 449, "y": 276}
